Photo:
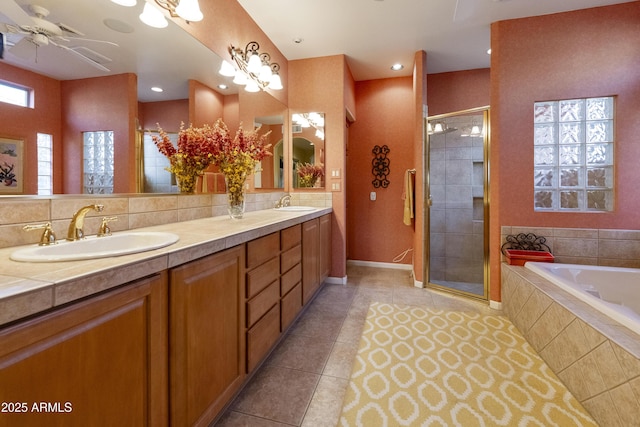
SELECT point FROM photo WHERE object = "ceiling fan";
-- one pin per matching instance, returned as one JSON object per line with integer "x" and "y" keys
{"x": 36, "y": 31}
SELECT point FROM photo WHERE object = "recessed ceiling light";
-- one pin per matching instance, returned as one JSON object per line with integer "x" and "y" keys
{"x": 397, "y": 67}
{"x": 117, "y": 25}
{"x": 298, "y": 40}
{"x": 222, "y": 86}
{"x": 157, "y": 89}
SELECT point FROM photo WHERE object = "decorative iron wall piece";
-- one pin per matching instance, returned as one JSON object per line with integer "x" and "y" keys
{"x": 380, "y": 167}
{"x": 525, "y": 242}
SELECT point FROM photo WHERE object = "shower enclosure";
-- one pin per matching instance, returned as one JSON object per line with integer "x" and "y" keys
{"x": 456, "y": 220}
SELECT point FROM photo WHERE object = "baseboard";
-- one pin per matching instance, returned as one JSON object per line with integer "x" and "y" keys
{"x": 496, "y": 305}
{"x": 336, "y": 280}
{"x": 380, "y": 264}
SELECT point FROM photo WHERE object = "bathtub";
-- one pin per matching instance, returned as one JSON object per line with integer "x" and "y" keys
{"x": 614, "y": 291}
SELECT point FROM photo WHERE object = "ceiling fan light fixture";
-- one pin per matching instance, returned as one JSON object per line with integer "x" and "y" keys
{"x": 153, "y": 17}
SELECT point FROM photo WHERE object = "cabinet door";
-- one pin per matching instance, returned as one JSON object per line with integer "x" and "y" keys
{"x": 102, "y": 361}
{"x": 207, "y": 352}
{"x": 325, "y": 247}
{"x": 310, "y": 259}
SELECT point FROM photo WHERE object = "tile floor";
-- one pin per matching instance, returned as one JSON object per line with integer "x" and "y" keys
{"x": 302, "y": 383}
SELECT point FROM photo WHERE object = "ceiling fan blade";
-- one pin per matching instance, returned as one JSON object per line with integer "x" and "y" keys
{"x": 24, "y": 49}
{"x": 87, "y": 40}
{"x": 13, "y": 11}
{"x": 465, "y": 9}
{"x": 81, "y": 56}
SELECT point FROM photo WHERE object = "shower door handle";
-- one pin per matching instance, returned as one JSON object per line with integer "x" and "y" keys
{"x": 429, "y": 202}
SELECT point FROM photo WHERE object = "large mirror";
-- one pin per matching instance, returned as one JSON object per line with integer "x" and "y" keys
{"x": 308, "y": 149}
{"x": 73, "y": 93}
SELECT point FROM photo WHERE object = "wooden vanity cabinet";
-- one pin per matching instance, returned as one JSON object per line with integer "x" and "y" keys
{"x": 262, "y": 297}
{"x": 291, "y": 275}
{"x": 207, "y": 335}
{"x": 98, "y": 361}
{"x": 325, "y": 247}
{"x": 316, "y": 255}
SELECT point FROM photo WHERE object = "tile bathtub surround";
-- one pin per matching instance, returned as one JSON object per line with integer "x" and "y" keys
{"x": 303, "y": 381}
{"x": 133, "y": 211}
{"x": 614, "y": 248}
{"x": 596, "y": 358}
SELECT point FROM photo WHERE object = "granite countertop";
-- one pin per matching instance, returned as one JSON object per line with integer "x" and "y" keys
{"x": 27, "y": 288}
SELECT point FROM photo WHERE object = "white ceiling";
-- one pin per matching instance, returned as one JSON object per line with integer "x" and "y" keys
{"x": 373, "y": 34}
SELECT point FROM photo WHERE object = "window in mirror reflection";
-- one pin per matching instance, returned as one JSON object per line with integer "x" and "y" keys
{"x": 98, "y": 162}
{"x": 308, "y": 150}
{"x": 45, "y": 164}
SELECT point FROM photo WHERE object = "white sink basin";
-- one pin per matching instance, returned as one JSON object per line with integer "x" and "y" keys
{"x": 296, "y": 208}
{"x": 96, "y": 247}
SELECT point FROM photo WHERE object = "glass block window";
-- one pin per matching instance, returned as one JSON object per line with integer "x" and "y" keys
{"x": 573, "y": 155}
{"x": 45, "y": 164}
{"x": 98, "y": 162}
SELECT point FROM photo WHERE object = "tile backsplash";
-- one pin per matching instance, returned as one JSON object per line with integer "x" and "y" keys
{"x": 132, "y": 211}
{"x": 615, "y": 248}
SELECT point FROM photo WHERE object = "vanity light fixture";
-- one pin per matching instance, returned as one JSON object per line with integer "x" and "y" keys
{"x": 189, "y": 10}
{"x": 127, "y": 3}
{"x": 306, "y": 120}
{"x": 252, "y": 69}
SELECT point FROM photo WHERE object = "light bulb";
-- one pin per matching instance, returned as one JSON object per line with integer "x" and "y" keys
{"x": 438, "y": 128}
{"x": 275, "y": 83}
{"x": 265, "y": 73}
{"x": 240, "y": 78}
{"x": 226, "y": 69}
{"x": 153, "y": 17}
{"x": 251, "y": 86}
{"x": 254, "y": 64}
{"x": 189, "y": 10}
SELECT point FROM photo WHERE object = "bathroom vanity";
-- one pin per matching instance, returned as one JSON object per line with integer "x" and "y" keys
{"x": 165, "y": 337}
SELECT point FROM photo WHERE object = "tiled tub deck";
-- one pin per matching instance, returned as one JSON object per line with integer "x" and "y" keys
{"x": 594, "y": 356}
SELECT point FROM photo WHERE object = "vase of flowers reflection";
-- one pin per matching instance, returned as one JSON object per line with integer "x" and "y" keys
{"x": 309, "y": 174}
{"x": 237, "y": 158}
{"x": 193, "y": 154}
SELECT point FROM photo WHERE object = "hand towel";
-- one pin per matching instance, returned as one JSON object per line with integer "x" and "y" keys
{"x": 407, "y": 196}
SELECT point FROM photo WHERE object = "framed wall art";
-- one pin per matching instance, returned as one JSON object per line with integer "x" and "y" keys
{"x": 11, "y": 166}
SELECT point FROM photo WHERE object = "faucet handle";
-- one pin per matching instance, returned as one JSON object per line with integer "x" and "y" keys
{"x": 105, "y": 230}
{"x": 48, "y": 236}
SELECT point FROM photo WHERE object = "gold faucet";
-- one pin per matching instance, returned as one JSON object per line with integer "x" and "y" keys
{"x": 77, "y": 222}
{"x": 284, "y": 201}
{"x": 48, "y": 236}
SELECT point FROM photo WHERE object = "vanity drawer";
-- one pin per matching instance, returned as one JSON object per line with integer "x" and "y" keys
{"x": 290, "y": 279}
{"x": 261, "y": 277}
{"x": 261, "y": 303}
{"x": 290, "y": 258}
{"x": 260, "y": 250}
{"x": 290, "y": 237}
{"x": 262, "y": 336}
{"x": 290, "y": 306}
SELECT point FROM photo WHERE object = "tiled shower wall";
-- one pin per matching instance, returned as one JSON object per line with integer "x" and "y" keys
{"x": 615, "y": 248}
{"x": 456, "y": 182}
{"x": 595, "y": 357}
{"x": 132, "y": 211}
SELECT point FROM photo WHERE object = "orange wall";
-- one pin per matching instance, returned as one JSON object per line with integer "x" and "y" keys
{"x": 206, "y": 104}
{"x": 587, "y": 53}
{"x": 116, "y": 111}
{"x": 458, "y": 90}
{"x": 24, "y": 123}
{"x": 385, "y": 117}
{"x": 321, "y": 84}
{"x": 167, "y": 114}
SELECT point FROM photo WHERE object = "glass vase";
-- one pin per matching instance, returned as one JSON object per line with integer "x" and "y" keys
{"x": 186, "y": 181}
{"x": 235, "y": 185}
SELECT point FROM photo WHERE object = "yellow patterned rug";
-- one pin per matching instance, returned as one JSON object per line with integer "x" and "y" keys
{"x": 423, "y": 367}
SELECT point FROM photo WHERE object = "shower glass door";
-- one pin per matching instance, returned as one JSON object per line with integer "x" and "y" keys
{"x": 457, "y": 193}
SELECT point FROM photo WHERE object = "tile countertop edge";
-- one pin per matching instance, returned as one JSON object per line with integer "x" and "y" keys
{"x": 198, "y": 238}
